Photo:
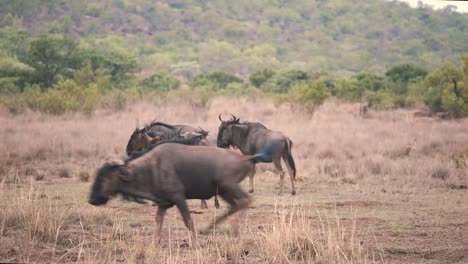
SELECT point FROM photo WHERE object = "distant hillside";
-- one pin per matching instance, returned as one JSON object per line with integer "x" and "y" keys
{"x": 187, "y": 37}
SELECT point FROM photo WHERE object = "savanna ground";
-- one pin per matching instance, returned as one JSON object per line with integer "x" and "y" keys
{"x": 380, "y": 188}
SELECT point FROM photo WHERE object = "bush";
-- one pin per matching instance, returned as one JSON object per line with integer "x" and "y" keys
{"x": 215, "y": 81}
{"x": 282, "y": 82}
{"x": 260, "y": 77}
{"x": 161, "y": 81}
{"x": 306, "y": 96}
{"x": 15, "y": 104}
{"x": 443, "y": 94}
{"x": 65, "y": 96}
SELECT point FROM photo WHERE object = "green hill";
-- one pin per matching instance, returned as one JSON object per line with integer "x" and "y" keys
{"x": 188, "y": 37}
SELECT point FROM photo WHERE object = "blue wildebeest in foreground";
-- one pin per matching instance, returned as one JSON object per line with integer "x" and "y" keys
{"x": 150, "y": 134}
{"x": 172, "y": 172}
{"x": 142, "y": 138}
{"x": 250, "y": 137}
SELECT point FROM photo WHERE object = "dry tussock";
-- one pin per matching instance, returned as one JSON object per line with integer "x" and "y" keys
{"x": 293, "y": 237}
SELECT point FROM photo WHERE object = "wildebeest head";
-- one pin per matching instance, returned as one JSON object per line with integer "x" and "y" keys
{"x": 141, "y": 140}
{"x": 225, "y": 131}
{"x": 107, "y": 183}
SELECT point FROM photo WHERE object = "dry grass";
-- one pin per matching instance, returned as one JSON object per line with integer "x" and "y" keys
{"x": 362, "y": 196}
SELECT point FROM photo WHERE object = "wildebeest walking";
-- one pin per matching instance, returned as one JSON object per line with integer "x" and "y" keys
{"x": 250, "y": 137}
{"x": 142, "y": 138}
{"x": 172, "y": 172}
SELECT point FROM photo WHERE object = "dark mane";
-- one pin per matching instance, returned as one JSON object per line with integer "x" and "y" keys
{"x": 161, "y": 124}
{"x": 138, "y": 154}
{"x": 253, "y": 124}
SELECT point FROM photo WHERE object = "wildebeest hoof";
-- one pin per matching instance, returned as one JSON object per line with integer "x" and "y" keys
{"x": 251, "y": 191}
{"x": 293, "y": 192}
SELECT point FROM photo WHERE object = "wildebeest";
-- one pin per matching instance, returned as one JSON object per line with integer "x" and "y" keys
{"x": 142, "y": 138}
{"x": 250, "y": 137}
{"x": 172, "y": 172}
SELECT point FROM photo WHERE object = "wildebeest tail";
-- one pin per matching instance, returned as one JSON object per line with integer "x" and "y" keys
{"x": 266, "y": 154}
{"x": 289, "y": 159}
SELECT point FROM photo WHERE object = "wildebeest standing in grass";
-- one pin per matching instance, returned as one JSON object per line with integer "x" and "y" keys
{"x": 171, "y": 173}
{"x": 142, "y": 138}
{"x": 250, "y": 137}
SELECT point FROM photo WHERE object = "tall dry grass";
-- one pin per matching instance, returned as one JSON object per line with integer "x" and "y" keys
{"x": 335, "y": 144}
{"x": 47, "y": 231}
{"x": 334, "y": 147}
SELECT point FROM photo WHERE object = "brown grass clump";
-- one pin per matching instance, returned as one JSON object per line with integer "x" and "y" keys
{"x": 83, "y": 175}
{"x": 65, "y": 172}
{"x": 35, "y": 215}
{"x": 293, "y": 238}
{"x": 440, "y": 173}
{"x": 332, "y": 169}
{"x": 326, "y": 154}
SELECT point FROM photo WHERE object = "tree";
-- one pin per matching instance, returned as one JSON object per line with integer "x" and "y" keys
{"x": 441, "y": 95}
{"x": 259, "y": 77}
{"x": 216, "y": 80}
{"x": 51, "y": 57}
{"x": 405, "y": 72}
{"x": 161, "y": 81}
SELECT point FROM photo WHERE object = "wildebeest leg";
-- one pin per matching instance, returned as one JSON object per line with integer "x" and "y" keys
{"x": 203, "y": 205}
{"x": 159, "y": 222}
{"x": 237, "y": 199}
{"x": 184, "y": 211}
{"x": 216, "y": 202}
{"x": 280, "y": 170}
{"x": 289, "y": 161}
{"x": 251, "y": 176}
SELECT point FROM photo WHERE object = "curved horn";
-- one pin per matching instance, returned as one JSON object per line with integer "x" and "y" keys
{"x": 203, "y": 131}
{"x": 234, "y": 119}
{"x": 220, "y": 118}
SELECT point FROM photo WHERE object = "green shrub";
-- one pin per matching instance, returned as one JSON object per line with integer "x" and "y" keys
{"x": 443, "y": 95}
{"x": 65, "y": 96}
{"x": 215, "y": 81}
{"x": 14, "y": 103}
{"x": 283, "y": 81}
{"x": 347, "y": 89}
{"x": 260, "y": 77}
{"x": 306, "y": 96}
{"x": 161, "y": 81}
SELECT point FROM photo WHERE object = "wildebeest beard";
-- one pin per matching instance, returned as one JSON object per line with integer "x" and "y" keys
{"x": 132, "y": 197}
{"x": 97, "y": 196}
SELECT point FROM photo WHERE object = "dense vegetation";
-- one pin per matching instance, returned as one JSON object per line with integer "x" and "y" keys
{"x": 58, "y": 56}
